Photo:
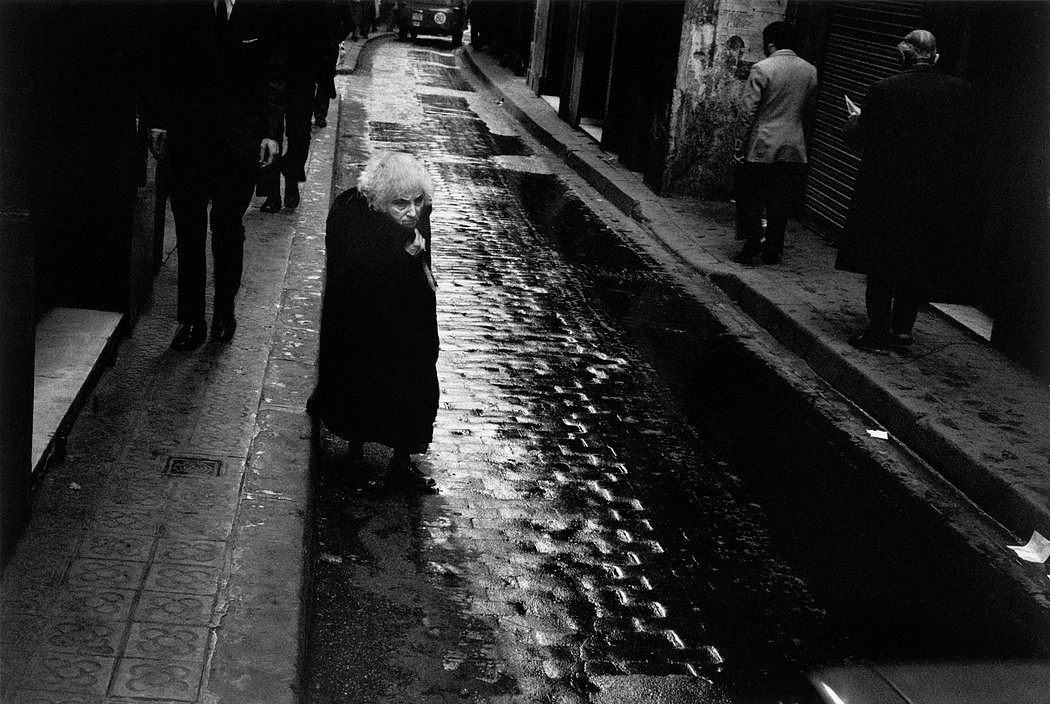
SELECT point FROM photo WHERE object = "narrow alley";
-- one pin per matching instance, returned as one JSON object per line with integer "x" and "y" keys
{"x": 631, "y": 504}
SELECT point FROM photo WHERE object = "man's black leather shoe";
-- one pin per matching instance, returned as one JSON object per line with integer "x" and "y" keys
{"x": 291, "y": 195}
{"x": 223, "y": 327}
{"x": 901, "y": 339}
{"x": 749, "y": 252}
{"x": 870, "y": 342}
{"x": 190, "y": 336}
{"x": 272, "y": 204}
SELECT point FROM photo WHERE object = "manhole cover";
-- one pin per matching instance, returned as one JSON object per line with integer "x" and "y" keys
{"x": 193, "y": 467}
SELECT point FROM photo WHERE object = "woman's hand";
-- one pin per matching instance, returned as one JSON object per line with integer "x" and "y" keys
{"x": 416, "y": 246}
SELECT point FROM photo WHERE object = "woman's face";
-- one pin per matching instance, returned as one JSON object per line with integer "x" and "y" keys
{"x": 406, "y": 208}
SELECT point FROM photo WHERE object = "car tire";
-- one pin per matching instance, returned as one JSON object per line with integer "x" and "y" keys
{"x": 457, "y": 38}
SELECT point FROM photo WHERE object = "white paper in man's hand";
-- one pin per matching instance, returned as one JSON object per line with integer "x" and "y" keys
{"x": 851, "y": 107}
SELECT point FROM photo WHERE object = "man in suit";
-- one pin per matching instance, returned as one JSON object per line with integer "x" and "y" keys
{"x": 915, "y": 215}
{"x": 310, "y": 45}
{"x": 340, "y": 22}
{"x": 770, "y": 146}
{"x": 214, "y": 111}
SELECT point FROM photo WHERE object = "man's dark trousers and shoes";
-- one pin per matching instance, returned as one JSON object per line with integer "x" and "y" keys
{"x": 775, "y": 187}
{"x": 870, "y": 341}
{"x": 272, "y": 204}
{"x": 291, "y": 195}
{"x": 223, "y": 326}
{"x": 752, "y": 248}
{"x": 292, "y": 163}
{"x": 325, "y": 91}
{"x": 190, "y": 336}
{"x": 892, "y": 308}
{"x": 227, "y": 181}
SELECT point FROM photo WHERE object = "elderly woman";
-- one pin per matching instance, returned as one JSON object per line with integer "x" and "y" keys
{"x": 377, "y": 380}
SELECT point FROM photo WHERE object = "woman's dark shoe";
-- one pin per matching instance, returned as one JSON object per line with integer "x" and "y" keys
{"x": 190, "y": 336}
{"x": 291, "y": 195}
{"x": 405, "y": 473}
{"x": 223, "y": 327}
{"x": 321, "y": 121}
{"x": 272, "y": 204}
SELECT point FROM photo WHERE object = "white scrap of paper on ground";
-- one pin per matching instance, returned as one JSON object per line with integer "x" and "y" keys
{"x": 1037, "y": 549}
{"x": 334, "y": 559}
{"x": 880, "y": 434}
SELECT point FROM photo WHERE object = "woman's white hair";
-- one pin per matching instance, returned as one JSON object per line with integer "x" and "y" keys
{"x": 389, "y": 175}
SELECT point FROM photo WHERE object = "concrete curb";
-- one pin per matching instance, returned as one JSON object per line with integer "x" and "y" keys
{"x": 260, "y": 646}
{"x": 770, "y": 316}
{"x": 351, "y": 51}
{"x": 260, "y": 649}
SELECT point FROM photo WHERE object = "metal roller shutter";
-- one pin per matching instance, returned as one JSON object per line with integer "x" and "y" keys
{"x": 861, "y": 49}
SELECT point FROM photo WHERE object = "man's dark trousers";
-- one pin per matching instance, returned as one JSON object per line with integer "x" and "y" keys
{"x": 776, "y": 186}
{"x": 892, "y": 306}
{"x": 226, "y": 179}
{"x": 292, "y": 164}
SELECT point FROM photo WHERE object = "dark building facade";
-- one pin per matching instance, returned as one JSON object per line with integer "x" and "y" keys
{"x": 78, "y": 209}
{"x": 992, "y": 45}
{"x": 658, "y": 84}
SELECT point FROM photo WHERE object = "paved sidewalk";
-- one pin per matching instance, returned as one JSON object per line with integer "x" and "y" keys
{"x": 982, "y": 421}
{"x": 165, "y": 557}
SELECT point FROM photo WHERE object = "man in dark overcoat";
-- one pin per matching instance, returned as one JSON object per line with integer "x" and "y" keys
{"x": 914, "y": 218}
{"x": 214, "y": 107}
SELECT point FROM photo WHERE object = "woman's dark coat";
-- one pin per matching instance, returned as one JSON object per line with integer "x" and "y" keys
{"x": 915, "y": 210}
{"x": 377, "y": 380}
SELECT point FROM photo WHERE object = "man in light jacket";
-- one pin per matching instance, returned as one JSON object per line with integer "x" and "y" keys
{"x": 770, "y": 146}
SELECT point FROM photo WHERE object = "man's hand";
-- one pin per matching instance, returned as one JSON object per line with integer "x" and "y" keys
{"x": 738, "y": 151}
{"x": 157, "y": 140}
{"x": 269, "y": 150}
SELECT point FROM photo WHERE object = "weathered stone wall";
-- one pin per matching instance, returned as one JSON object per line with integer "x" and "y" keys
{"x": 720, "y": 40}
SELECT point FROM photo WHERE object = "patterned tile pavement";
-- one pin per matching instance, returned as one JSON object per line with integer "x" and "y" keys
{"x": 128, "y": 570}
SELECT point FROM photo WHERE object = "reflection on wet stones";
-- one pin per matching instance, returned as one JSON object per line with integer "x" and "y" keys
{"x": 422, "y": 56}
{"x": 578, "y": 515}
{"x": 437, "y": 70}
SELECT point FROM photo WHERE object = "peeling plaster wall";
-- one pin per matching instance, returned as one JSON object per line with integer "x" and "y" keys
{"x": 720, "y": 40}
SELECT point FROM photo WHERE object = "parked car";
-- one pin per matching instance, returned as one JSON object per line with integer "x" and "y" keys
{"x": 441, "y": 17}
{"x": 981, "y": 682}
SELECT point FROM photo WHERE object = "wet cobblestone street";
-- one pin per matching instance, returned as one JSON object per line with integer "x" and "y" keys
{"x": 644, "y": 492}
{"x": 581, "y": 529}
